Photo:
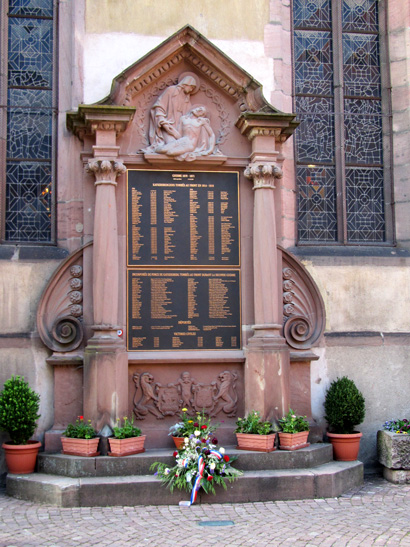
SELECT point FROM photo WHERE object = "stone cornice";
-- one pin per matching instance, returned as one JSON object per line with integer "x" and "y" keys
{"x": 267, "y": 124}
{"x": 91, "y": 118}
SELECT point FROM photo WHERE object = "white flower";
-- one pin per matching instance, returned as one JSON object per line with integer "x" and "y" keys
{"x": 222, "y": 450}
{"x": 166, "y": 471}
{"x": 197, "y": 433}
{"x": 212, "y": 466}
{"x": 186, "y": 440}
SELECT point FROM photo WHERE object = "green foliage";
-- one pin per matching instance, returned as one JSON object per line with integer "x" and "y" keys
{"x": 293, "y": 424}
{"x": 254, "y": 424}
{"x": 344, "y": 406}
{"x": 80, "y": 430}
{"x": 127, "y": 430}
{"x": 19, "y": 406}
{"x": 398, "y": 426}
{"x": 189, "y": 424}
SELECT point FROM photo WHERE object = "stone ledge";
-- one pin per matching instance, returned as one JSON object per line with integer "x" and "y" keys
{"x": 328, "y": 480}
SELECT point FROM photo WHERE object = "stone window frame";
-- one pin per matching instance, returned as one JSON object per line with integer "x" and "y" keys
{"x": 387, "y": 132}
{"x": 52, "y": 239}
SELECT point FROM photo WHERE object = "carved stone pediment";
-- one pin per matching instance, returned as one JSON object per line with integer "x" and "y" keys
{"x": 224, "y": 91}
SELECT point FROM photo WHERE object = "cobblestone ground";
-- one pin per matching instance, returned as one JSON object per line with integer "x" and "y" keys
{"x": 378, "y": 513}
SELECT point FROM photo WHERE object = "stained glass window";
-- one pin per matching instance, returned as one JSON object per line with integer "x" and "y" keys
{"x": 30, "y": 122}
{"x": 339, "y": 143}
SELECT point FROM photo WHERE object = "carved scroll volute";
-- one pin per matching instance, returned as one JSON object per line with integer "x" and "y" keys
{"x": 59, "y": 315}
{"x": 303, "y": 307}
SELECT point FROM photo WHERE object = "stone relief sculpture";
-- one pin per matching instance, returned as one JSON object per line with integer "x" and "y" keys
{"x": 167, "y": 400}
{"x": 177, "y": 128}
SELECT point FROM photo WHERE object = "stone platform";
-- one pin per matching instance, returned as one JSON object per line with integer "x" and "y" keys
{"x": 70, "y": 481}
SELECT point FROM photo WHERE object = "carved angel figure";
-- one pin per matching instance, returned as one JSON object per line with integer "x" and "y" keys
{"x": 196, "y": 137}
{"x": 148, "y": 399}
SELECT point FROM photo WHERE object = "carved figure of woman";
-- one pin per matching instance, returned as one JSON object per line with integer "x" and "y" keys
{"x": 167, "y": 111}
{"x": 196, "y": 137}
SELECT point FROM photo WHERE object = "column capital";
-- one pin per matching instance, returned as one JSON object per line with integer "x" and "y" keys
{"x": 105, "y": 171}
{"x": 263, "y": 175}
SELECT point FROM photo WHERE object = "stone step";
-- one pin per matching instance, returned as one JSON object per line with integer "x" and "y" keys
{"x": 326, "y": 480}
{"x": 106, "y": 466}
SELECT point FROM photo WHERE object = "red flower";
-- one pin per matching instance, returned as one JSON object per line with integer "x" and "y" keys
{"x": 214, "y": 440}
{"x": 203, "y": 426}
{"x": 175, "y": 453}
{"x": 209, "y": 478}
{"x": 196, "y": 424}
{"x": 226, "y": 458}
{"x": 203, "y": 440}
{"x": 81, "y": 417}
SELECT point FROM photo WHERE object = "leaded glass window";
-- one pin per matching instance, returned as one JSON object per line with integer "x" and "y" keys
{"x": 339, "y": 144}
{"x": 28, "y": 121}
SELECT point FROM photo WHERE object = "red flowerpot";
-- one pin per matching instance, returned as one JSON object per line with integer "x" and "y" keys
{"x": 345, "y": 446}
{"x": 256, "y": 443}
{"x": 21, "y": 458}
{"x": 293, "y": 441}
{"x": 179, "y": 442}
{"x": 80, "y": 447}
{"x": 126, "y": 447}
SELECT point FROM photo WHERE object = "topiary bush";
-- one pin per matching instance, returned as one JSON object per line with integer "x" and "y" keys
{"x": 344, "y": 406}
{"x": 19, "y": 406}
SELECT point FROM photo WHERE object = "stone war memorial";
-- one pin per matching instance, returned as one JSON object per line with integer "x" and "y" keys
{"x": 203, "y": 209}
{"x": 181, "y": 299}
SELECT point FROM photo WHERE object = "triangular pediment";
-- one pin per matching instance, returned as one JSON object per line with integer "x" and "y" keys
{"x": 188, "y": 48}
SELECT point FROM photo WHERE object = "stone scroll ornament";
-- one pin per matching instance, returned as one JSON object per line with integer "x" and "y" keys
{"x": 60, "y": 311}
{"x": 177, "y": 128}
{"x": 303, "y": 308}
{"x": 167, "y": 400}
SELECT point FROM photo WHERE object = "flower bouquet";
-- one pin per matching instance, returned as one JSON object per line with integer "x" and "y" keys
{"x": 199, "y": 463}
{"x": 188, "y": 425}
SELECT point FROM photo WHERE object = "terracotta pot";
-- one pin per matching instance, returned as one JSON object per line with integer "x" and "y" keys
{"x": 345, "y": 446}
{"x": 126, "y": 447}
{"x": 80, "y": 447}
{"x": 256, "y": 443}
{"x": 179, "y": 442}
{"x": 21, "y": 458}
{"x": 293, "y": 441}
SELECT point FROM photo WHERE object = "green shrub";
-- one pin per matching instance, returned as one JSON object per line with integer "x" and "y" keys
{"x": 253, "y": 424}
{"x": 344, "y": 406}
{"x": 19, "y": 406}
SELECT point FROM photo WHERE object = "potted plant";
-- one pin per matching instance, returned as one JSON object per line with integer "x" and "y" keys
{"x": 344, "y": 410}
{"x": 199, "y": 463}
{"x": 80, "y": 439}
{"x": 188, "y": 425}
{"x": 19, "y": 406}
{"x": 294, "y": 431}
{"x": 127, "y": 439}
{"x": 253, "y": 433}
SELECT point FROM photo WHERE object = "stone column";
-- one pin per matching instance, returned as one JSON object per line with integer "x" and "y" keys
{"x": 267, "y": 366}
{"x": 105, "y": 357}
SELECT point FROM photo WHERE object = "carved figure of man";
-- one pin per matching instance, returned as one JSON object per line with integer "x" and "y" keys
{"x": 195, "y": 138}
{"x": 186, "y": 383}
{"x": 167, "y": 111}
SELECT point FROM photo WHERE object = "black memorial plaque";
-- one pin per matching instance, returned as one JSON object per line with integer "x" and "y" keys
{"x": 183, "y": 309}
{"x": 182, "y": 218}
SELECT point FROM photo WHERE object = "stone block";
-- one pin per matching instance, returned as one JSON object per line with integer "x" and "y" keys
{"x": 393, "y": 450}
{"x": 397, "y": 476}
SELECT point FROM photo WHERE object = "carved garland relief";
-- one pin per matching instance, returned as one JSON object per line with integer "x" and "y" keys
{"x": 160, "y": 400}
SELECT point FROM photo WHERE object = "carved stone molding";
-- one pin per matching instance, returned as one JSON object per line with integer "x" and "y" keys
{"x": 303, "y": 307}
{"x": 219, "y": 395}
{"x": 105, "y": 171}
{"x": 59, "y": 314}
{"x": 263, "y": 175}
